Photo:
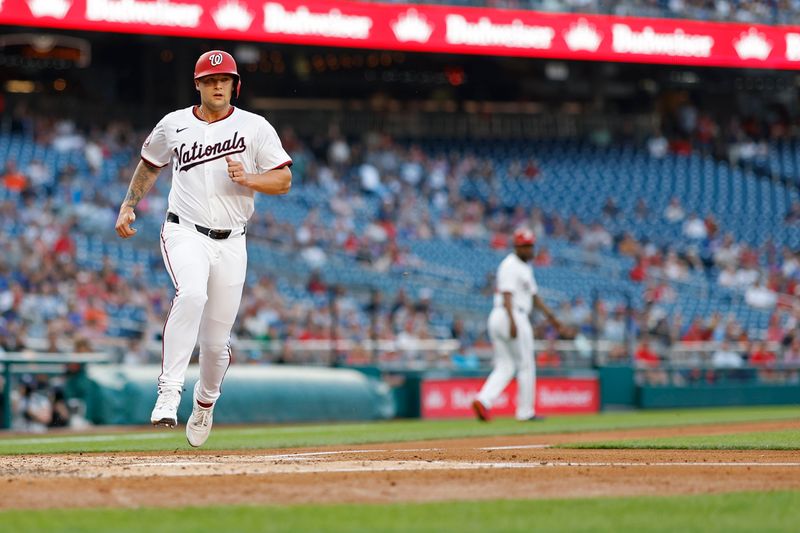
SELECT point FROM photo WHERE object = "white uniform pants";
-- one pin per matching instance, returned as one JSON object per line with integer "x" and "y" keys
{"x": 511, "y": 356}
{"x": 208, "y": 276}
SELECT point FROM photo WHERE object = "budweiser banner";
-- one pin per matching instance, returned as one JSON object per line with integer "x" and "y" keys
{"x": 452, "y": 398}
{"x": 424, "y": 28}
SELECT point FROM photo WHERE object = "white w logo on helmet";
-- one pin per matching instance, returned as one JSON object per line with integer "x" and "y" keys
{"x": 215, "y": 59}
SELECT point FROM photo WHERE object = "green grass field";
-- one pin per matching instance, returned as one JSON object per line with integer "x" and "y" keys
{"x": 763, "y": 512}
{"x": 767, "y": 440}
{"x": 394, "y": 431}
{"x": 767, "y": 511}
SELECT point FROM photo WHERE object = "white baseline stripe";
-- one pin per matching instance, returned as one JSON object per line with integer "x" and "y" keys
{"x": 440, "y": 465}
{"x": 301, "y": 455}
{"x": 437, "y": 465}
{"x": 521, "y": 447}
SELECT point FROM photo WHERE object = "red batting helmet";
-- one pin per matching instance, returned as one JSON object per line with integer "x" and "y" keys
{"x": 218, "y": 62}
{"x": 524, "y": 237}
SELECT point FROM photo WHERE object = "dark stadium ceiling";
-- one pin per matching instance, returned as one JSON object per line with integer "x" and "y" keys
{"x": 149, "y": 74}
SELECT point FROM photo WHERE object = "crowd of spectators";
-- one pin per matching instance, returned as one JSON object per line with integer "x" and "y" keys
{"x": 52, "y": 300}
{"x": 745, "y": 11}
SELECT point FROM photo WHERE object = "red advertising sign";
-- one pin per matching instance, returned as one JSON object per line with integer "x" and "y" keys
{"x": 426, "y": 28}
{"x": 452, "y": 398}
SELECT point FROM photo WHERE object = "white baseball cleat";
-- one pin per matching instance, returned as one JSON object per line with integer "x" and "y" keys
{"x": 198, "y": 427}
{"x": 165, "y": 413}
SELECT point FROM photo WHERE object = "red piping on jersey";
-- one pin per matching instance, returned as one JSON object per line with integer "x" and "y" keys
{"x": 194, "y": 112}
{"x": 230, "y": 360}
{"x": 163, "y": 332}
{"x": 153, "y": 164}
{"x": 285, "y": 163}
{"x": 169, "y": 263}
{"x": 171, "y": 304}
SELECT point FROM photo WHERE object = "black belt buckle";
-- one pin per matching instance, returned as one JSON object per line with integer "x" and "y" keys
{"x": 216, "y": 234}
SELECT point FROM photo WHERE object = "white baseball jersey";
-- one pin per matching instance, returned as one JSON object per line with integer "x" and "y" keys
{"x": 202, "y": 192}
{"x": 516, "y": 276}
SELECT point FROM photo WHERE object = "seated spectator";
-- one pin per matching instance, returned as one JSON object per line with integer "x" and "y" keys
{"x": 614, "y": 327}
{"x": 596, "y": 238}
{"x": 639, "y": 271}
{"x": 674, "y": 211}
{"x": 649, "y": 364}
{"x": 712, "y": 226}
{"x": 674, "y": 268}
{"x": 658, "y": 146}
{"x": 660, "y": 292}
{"x": 34, "y": 410}
{"x": 549, "y": 357}
{"x": 693, "y": 259}
{"x": 532, "y": 169}
{"x": 726, "y": 357}
{"x": 791, "y": 355}
{"x": 581, "y": 313}
{"x": 760, "y": 356}
{"x": 610, "y": 209}
{"x": 727, "y": 252}
{"x": 39, "y": 174}
{"x": 13, "y": 179}
{"x": 695, "y": 228}
{"x": 746, "y": 276}
{"x": 775, "y": 330}
{"x": 315, "y": 283}
{"x": 542, "y": 258}
{"x": 499, "y": 240}
{"x": 759, "y": 296}
{"x": 790, "y": 265}
{"x": 629, "y": 246}
{"x": 645, "y": 355}
{"x": 727, "y": 277}
{"x": 697, "y": 332}
{"x": 64, "y": 245}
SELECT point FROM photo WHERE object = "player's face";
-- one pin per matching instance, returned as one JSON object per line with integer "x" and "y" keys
{"x": 524, "y": 252}
{"x": 215, "y": 90}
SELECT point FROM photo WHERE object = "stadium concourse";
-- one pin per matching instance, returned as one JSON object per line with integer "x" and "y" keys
{"x": 396, "y": 240}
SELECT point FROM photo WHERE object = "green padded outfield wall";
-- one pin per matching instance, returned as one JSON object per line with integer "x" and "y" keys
{"x": 717, "y": 395}
{"x": 617, "y": 387}
{"x": 120, "y": 394}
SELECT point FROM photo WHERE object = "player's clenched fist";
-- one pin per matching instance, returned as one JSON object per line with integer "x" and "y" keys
{"x": 236, "y": 171}
{"x": 124, "y": 221}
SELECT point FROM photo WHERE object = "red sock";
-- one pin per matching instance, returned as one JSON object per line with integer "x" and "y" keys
{"x": 204, "y": 405}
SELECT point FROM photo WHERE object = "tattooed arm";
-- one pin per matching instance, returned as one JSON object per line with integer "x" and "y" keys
{"x": 143, "y": 178}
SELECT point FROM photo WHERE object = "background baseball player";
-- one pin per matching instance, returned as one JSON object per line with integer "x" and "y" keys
{"x": 510, "y": 330}
{"x": 221, "y": 156}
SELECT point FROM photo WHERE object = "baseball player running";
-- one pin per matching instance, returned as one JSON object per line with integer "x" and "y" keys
{"x": 510, "y": 330}
{"x": 221, "y": 156}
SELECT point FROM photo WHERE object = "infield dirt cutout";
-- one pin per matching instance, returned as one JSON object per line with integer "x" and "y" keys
{"x": 518, "y": 467}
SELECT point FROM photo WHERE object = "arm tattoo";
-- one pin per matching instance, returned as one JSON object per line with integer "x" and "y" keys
{"x": 143, "y": 178}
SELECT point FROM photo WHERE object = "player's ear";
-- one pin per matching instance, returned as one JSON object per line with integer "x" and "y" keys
{"x": 197, "y": 85}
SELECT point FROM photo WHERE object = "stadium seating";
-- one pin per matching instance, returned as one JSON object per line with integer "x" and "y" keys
{"x": 576, "y": 177}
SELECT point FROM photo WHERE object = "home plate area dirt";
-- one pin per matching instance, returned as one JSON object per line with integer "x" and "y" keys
{"x": 519, "y": 467}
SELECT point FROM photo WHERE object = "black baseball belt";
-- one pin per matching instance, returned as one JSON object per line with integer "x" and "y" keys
{"x": 216, "y": 234}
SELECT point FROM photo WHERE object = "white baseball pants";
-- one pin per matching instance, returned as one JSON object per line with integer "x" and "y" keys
{"x": 208, "y": 276}
{"x": 511, "y": 356}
